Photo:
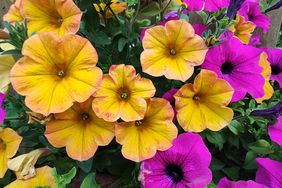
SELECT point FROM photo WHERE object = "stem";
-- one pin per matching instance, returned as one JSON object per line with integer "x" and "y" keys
{"x": 164, "y": 9}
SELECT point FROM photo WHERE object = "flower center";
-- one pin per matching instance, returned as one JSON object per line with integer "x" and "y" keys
{"x": 2, "y": 145}
{"x": 196, "y": 98}
{"x": 85, "y": 116}
{"x": 60, "y": 20}
{"x": 124, "y": 95}
{"x": 138, "y": 123}
{"x": 61, "y": 74}
{"x": 275, "y": 70}
{"x": 172, "y": 52}
{"x": 227, "y": 68}
{"x": 174, "y": 172}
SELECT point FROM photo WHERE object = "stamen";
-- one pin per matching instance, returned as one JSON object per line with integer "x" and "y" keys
{"x": 61, "y": 74}
{"x": 138, "y": 123}
{"x": 85, "y": 116}
{"x": 124, "y": 95}
{"x": 172, "y": 52}
{"x": 196, "y": 98}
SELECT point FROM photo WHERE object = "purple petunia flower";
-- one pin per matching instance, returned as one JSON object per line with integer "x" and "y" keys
{"x": 275, "y": 60}
{"x": 255, "y": 40}
{"x": 272, "y": 112}
{"x": 238, "y": 64}
{"x": 169, "y": 96}
{"x": 250, "y": 10}
{"x": 216, "y": 5}
{"x": 225, "y": 183}
{"x": 185, "y": 164}
{"x": 2, "y": 111}
{"x": 269, "y": 172}
{"x": 275, "y": 131}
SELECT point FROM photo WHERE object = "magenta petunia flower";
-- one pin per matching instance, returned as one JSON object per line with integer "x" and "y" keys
{"x": 269, "y": 172}
{"x": 169, "y": 96}
{"x": 225, "y": 183}
{"x": 2, "y": 110}
{"x": 193, "y": 5}
{"x": 216, "y": 5}
{"x": 239, "y": 65}
{"x": 275, "y": 131}
{"x": 185, "y": 164}
{"x": 250, "y": 10}
{"x": 199, "y": 28}
{"x": 275, "y": 60}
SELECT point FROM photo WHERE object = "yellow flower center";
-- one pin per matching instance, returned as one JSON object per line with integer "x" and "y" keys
{"x": 172, "y": 52}
{"x": 60, "y": 20}
{"x": 2, "y": 145}
{"x": 196, "y": 98}
{"x": 85, "y": 116}
{"x": 61, "y": 74}
{"x": 138, "y": 123}
{"x": 124, "y": 95}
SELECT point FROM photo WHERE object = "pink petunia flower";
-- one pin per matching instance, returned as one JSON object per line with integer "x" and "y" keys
{"x": 269, "y": 172}
{"x": 193, "y": 5}
{"x": 185, "y": 164}
{"x": 216, "y": 5}
{"x": 2, "y": 110}
{"x": 275, "y": 131}
{"x": 239, "y": 65}
{"x": 250, "y": 10}
{"x": 225, "y": 183}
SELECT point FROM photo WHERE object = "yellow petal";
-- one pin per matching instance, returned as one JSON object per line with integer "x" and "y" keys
{"x": 6, "y": 64}
{"x": 14, "y": 13}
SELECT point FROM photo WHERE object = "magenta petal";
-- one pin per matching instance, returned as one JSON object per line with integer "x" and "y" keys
{"x": 193, "y": 5}
{"x": 2, "y": 111}
{"x": 275, "y": 131}
{"x": 199, "y": 29}
{"x": 215, "y": 5}
{"x": 225, "y": 183}
{"x": 269, "y": 172}
{"x": 254, "y": 40}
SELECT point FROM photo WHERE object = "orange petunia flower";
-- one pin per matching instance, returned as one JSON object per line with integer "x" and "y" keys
{"x": 9, "y": 145}
{"x": 142, "y": 138}
{"x": 55, "y": 72}
{"x": 172, "y": 50}
{"x": 122, "y": 94}
{"x": 117, "y": 7}
{"x": 60, "y": 16}
{"x": 14, "y": 14}
{"x": 80, "y": 131}
{"x": 266, "y": 73}
{"x": 242, "y": 29}
{"x": 203, "y": 105}
{"x": 43, "y": 178}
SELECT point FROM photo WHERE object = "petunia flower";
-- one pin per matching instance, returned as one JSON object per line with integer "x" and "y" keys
{"x": 141, "y": 139}
{"x": 203, "y": 104}
{"x": 216, "y": 5}
{"x": 9, "y": 145}
{"x": 266, "y": 73}
{"x": 275, "y": 131}
{"x": 193, "y": 5}
{"x": 255, "y": 40}
{"x": 238, "y": 64}
{"x": 60, "y": 16}
{"x": 199, "y": 28}
{"x": 185, "y": 164}
{"x": 23, "y": 165}
{"x": 55, "y": 72}
{"x": 225, "y": 183}
{"x": 275, "y": 59}
{"x": 122, "y": 95}
{"x": 242, "y": 29}
{"x": 172, "y": 50}
{"x": 14, "y": 14}
{"x": 169, "y": 95}
{"x": 250, "y": 10}
{"x": 2, "y": 110}
{"x": 272, "y": 112}
{"x": 79, "y": 130}
{"x": 117, "y": 7}
{"x": 43, "y": 178}
{"x": 269, "y": 172}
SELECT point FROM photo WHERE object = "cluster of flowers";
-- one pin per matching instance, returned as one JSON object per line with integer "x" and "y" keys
{"x": 58, "y": 76}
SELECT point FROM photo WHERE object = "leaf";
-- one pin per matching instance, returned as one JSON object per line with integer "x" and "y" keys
{"x": 65, "y": 179}
{"x": 203, "y": 15}
{"x": 236, "y": 127}
{"x": 131, "y": 2}
{"x": 216, "y": 138}
{"x": 250, "y": 162}
{"x": 216, "y": 164}
{"x": 90, "y": 182}
{"x": 100, "y": 38}
{"x": 261, "y": 147}
{"x": 85, "y": 165}
{"x": 121, "y": 44}
{"x": 11, "y": 52}
{"x": 232, "y": 172}
{"x": 152, "y": 9}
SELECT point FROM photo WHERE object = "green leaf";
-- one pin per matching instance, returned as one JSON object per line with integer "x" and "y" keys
{"x": 250, "y": 161}
{"x": 236, "y": 127}
{"x": 90, "y": 182}
{"x": 65, "y": 179}
{"x": 261, "y": 147}
{"x": 121, "y": 44}
{"x": 85, "y": 165}
{"x": 203, "y": 15}
{"x": 131, "y": 2}
{"x": 211, "y": 185}
{"x": 216, "y": 138}
{"x": 100, "y": 38}
{"x": 232, "y": 172}
{"x": 152, "y": 9}
{"x": 216, "y": 164}
{"x": 11, "y": 52}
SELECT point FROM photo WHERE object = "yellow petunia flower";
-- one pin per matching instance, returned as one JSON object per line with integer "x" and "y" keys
{"x": 142, "y": 138}
{"x": 14, "y": 14}
{"x": 60, "y": 16}
{"x": 117, "y": 7}
{"x": 172, "y": 50}
{"x": 122, "y": 95}
{"x": 43, "y": 178}
{"x": 80, "y": 131}
{"x": 203, "y": 104}
{"x": 242, "y": 29}
{"x": 266, "y": 73}
{"x": 9, "y": 145}
{"x": 55, "y": 72}
{"x": 23, "y": 165}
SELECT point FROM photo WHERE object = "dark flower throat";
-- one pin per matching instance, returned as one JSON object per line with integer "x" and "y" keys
{"x": 174, "y": 172}
{"x": 227, "y": 68}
